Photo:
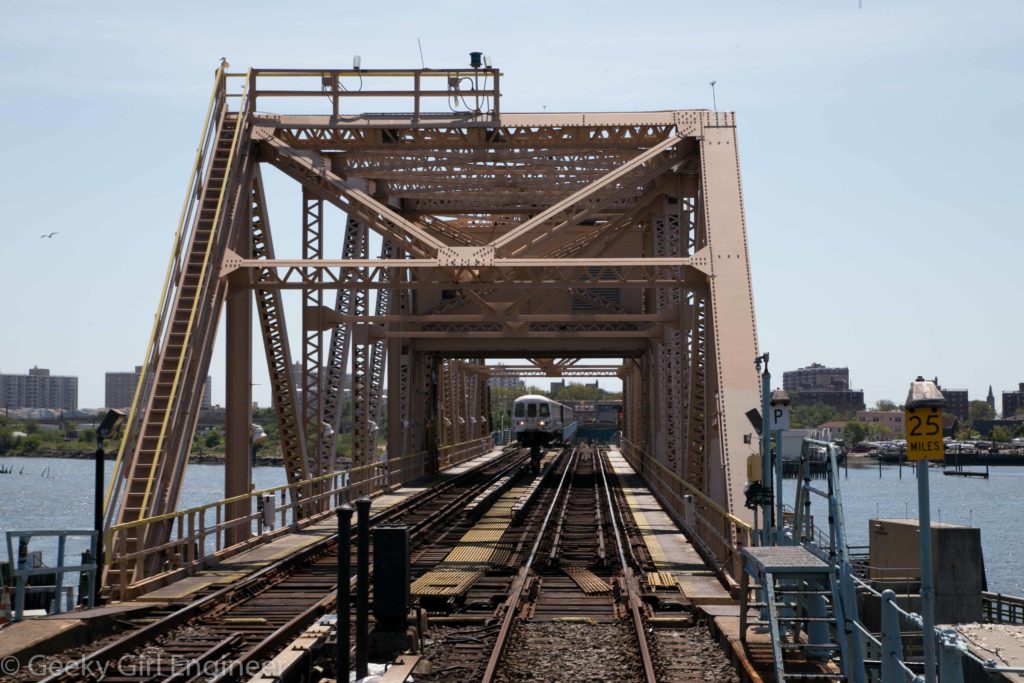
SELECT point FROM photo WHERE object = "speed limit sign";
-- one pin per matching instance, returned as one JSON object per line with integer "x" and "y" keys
{"x": 924, "y": 433}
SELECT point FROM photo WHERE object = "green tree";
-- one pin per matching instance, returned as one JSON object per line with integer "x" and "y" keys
{"x": 810, "y": 416}
{"x": 578, "y": 392}
{"x": 980, "y": 410}
{"x": 885, "y": 404}
{"x": 7, "y": 441}
{"x": 212, "y": 439}
{"x": 1001, "y": 434}
{"x": 31, "y": 443}
{"x": 854, "y": 433}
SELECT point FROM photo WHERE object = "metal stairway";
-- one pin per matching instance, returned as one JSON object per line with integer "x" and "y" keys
{"x": 803, "y": 609}
{"x": 160, "y": 429}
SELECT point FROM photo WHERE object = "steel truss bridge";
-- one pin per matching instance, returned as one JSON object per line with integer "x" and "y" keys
{"x": 566, "y": 239}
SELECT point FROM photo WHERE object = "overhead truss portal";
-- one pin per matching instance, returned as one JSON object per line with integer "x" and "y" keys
{"x": 468, "y": 234}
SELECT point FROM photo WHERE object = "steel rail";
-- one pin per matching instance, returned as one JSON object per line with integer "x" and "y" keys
{"x": 515, "y": 595}
{"x": 629, "y": 579}
{"x": 277, "y": 639}
{"x": 275, "y": 574}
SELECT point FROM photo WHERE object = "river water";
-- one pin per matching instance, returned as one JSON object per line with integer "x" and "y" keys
{"x": 996, "y": 505}
{"x": 51, "y": 493}
{"x": 57, "y": 493}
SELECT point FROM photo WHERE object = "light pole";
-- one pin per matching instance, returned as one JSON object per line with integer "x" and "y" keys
{"x": 104, "y": 430}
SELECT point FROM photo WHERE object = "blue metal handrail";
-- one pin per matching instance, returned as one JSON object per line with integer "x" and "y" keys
{"x": 894, "y": 666}
{"x": 22, "y": 572}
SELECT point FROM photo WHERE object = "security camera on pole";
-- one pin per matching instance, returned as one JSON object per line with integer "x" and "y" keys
{"x": 923, "y": 424}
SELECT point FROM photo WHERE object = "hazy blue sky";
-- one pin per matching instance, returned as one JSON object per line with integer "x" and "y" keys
{"x": 880, "y": 148}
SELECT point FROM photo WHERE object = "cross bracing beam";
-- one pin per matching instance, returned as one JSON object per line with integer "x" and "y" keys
{"x": 565, "y": 206}
{"x": 534, "y": 371}
{"x": 545, "y": 273}
{"x": 314, "y": 175}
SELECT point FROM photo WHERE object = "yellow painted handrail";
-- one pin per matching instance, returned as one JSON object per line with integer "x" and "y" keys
{"x": 163, "y": 292}
{"x": 195, "y": 306}
{"x": 694, "y": 490}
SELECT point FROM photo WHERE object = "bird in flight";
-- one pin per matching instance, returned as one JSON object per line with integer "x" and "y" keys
{"x": 50, "y": 236}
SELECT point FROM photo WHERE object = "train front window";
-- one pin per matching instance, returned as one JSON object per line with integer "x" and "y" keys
{"x": 518, "y": 410}
{"x": 545, "y": 410}
{"x": 531, "y": 410}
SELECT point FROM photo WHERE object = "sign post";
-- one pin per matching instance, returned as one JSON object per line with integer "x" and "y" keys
{"x": 923, "y": 425}
{"x": 778, "y": 420}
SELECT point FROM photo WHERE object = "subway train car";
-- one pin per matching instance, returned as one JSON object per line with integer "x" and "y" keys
{"x": 540, "y": 421}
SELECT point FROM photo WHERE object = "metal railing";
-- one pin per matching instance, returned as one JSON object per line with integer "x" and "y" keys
{"x": 719, "y": 534}
{"x": 218, "y": 108}
{"x": 453, "y": 454}
{"x": 897, "y": 624}
{"x": 468, "y": 93}
{"x": 199, "y": 535}
{"x": 1002, "y": 609}
{"x": 22, "y": 572}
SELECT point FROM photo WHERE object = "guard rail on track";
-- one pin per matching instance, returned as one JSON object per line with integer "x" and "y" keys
{"x": 199, "y": 534}
{"x": 719, "y": 534}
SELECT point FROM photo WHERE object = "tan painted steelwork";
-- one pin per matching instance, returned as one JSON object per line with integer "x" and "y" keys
{"x": 557, "y": 238}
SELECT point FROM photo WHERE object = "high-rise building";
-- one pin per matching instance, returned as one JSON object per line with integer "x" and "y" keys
{"x": 39, "y": 389}
{"x": 816, "y": 377}
{"x": 1013, "y": 402}
{"x": 817, "y": 384}
{"x": 505, "y": 381}
{"x": 957, "y": 401}
{"x": 120, "y": 389}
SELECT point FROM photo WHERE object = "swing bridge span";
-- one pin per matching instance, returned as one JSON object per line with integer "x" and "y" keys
{"x": 475, "y": 244}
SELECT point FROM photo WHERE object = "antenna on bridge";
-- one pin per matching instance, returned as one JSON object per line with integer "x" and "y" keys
{"x": 714, "y": 101}
{"x": 423, "y": 62}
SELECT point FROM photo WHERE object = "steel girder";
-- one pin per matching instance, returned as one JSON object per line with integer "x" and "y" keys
{"x": 515, "y": 235}
{"x": 355, "y": 245}
{"x": 275, "y": 343}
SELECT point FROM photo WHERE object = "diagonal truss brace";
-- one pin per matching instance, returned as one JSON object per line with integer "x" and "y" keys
{"x": 310, "y": 169}
{"x": 576, "y": 197}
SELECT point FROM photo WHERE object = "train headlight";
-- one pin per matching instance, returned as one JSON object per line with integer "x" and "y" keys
{"x": 520, "y": 423}
{"x": 542, "y": 423}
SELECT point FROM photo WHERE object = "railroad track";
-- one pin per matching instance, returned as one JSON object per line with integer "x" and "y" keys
{"x": 228, "y": 634}
{"x": 575, "y": 610}
{"x": 574, "y": 599}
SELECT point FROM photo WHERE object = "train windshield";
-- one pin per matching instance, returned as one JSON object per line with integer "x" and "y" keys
{"x": 531, "y": 410}
{"x": 518, "y": 410}
{"x": 545, "y": 410}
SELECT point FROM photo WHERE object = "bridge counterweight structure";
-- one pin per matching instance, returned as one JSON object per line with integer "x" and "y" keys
{"x": 564, "y": 239}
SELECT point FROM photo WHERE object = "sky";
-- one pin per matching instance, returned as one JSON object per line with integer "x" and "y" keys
{"x": 880, "y": 147}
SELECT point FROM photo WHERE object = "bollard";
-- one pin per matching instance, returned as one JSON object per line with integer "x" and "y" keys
{"x": 892, "y": 647}
{"x": 269, "y": 511}
{"x": 362, "y": 586}
{"x": 344, "y": 636}
{"x": 951, "y": 668}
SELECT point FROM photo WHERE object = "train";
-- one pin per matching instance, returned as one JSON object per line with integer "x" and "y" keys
{"x": 540, "y": 421}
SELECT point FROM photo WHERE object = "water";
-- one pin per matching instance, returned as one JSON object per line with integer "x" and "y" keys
{"x": 57, "y": 493}
{"x": 64, "y": 500}
{"x": 995, "y": 505}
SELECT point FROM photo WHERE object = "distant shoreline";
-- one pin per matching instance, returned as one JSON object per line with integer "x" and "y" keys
{"x": 261, "y": 460}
